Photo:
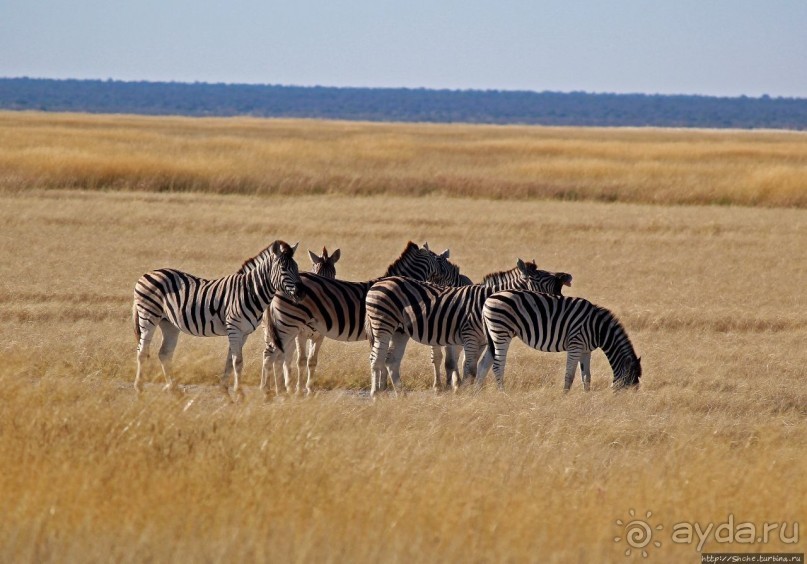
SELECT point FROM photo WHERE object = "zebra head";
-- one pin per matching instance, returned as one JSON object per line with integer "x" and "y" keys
{"x": 283, "y": 273}
{"x": 414, "y": 262}
{"x": 324, "y": 265}
{"x": 628, "y": 373}
{"x": 544, "y": 281}
{"x": 447, "y": 274}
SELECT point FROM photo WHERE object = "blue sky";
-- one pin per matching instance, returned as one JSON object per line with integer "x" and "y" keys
{"x": 714, "y": 47}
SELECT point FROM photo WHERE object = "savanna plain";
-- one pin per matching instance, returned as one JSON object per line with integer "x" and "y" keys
{"x": 697, "y": 240}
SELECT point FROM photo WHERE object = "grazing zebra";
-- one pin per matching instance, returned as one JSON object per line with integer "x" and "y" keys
{"x": 332, "y": 308}
{"x": 399, "y": 309}
{"x": 554, "y": 324}
{"x": 232, "y": 306}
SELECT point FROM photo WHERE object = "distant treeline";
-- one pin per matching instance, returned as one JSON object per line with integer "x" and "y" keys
{"x": 401, "y": 104}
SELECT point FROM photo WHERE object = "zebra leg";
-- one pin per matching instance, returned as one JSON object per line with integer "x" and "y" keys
{"x": 269, "y": 352}
{"x": 585, "y": 370}
{"x": 228, "y": 368}
{"x": 237, "y": 340}
{"x": 146, "y": 331}
{"x": 499, "y": 354}
{"x": 301, "y": 346}
{"x": 313, "y": 359}
{"x": 471, "y": 348}
{"x": 382, "y": 374}
{"x": 452, "y": 370}
{"x": 282, "y": 358}
{"x": 572, "y": 358}
{"x": 378, "y": 357}
{"x": 394, "y": 358}
{"x": 437, "y": 360}
{"x": 483, "y": 367}
{"x": 269, "y": 357}
{"x": 169, "y": 344}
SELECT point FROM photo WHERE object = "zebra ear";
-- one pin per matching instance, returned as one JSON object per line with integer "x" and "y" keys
{"x": 426, "y": 245}
{"x": 445, "y": 254}
{"x": 294, "y": 247}
{"x": 522, "y": 267}
{"x": 335, "y": 256}
{"x": 314, "y": 258}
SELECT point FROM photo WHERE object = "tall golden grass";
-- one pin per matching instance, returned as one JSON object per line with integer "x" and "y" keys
{"x": 712, "y": 297}
{"x": 266, "y": 157}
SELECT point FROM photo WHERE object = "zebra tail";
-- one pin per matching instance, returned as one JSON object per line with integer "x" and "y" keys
{"x": 136, "y": 321}
{"x": 368, "y": 329}
{"x": 271, "y": 331}
{"x": 489, "y": 338}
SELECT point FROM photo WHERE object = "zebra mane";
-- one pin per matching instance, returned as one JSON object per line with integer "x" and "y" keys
{"x": 251, "y": 263}
{"x": 610, "y": 323}
{"x": 410, "y": 249}
{"x": 531, "y": 266}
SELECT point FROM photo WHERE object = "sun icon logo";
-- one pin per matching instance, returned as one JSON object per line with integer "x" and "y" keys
{"x": 638, "y": 533}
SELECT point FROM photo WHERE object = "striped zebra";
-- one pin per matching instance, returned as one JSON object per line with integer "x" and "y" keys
{"x": 233, "y": 306}
{"x": 333, "y": 308}
{"x": 555, "y": 324}
{"x": 399, "y": 309}
{"x": 308, "y": 342}
{"x": 448, "y": 274}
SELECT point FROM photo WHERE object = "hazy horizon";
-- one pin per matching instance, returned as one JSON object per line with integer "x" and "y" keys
{"x": 719, "y": 48}
{"x": 105, "y": 79}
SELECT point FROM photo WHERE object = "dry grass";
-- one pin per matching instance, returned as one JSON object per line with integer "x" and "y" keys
{"x": 269, "y": 157}
{"x": 713, "y": 298}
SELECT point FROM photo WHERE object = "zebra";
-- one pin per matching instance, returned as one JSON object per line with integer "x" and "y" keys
{"x": 448, "y": 274}
{"x": 399, "y": 309}
{"x": 308, "y": 343}
{"x": 555, "y": 324}
{"x": 232, "y": 306}
{"x": 332, "y": 308}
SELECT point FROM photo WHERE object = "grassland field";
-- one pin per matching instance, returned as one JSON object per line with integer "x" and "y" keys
{"x": 713, "y": 297}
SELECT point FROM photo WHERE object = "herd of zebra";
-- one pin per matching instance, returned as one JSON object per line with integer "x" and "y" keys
{"x": 421, "y": 296}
